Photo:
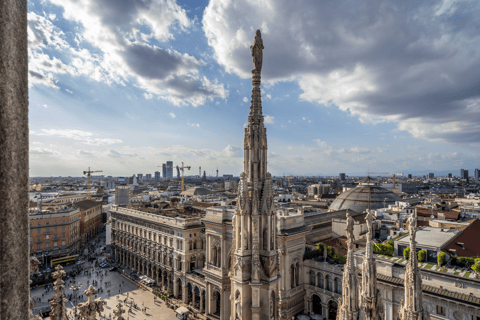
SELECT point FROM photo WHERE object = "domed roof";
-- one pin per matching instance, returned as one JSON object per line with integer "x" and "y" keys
{"x": 367, "y": 195}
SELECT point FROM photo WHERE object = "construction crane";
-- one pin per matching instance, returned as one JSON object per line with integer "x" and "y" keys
{"x": 89, "y": 181}
{"x": 289, "y": 180}
{"x": 183, "y": 176}
{"x": 393, "y": 174}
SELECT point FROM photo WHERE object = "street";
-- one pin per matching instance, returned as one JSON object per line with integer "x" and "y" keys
{"x": 129, "y": 290}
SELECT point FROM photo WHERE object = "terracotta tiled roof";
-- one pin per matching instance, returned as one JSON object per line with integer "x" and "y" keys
{"x": 469, "y": 239}
{"x": 427, "y": 213}
{"x": 421, "y": 223}
{"x": 340, "y": 245}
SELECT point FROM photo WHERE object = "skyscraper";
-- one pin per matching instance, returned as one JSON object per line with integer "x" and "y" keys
{"x": 170, "y": 169}
{"x": 254, "y": 246}
{"x": 431, "y": 176}
{"x": 157, "y": 176}
{"x": 342, "y": 176}
{"x": 140, "y": 176}
{"x": 164, "y": 171}
{"x": 148, "y": 176}
{"x": 464, "y": 174}
{"x": 477, "y": 174}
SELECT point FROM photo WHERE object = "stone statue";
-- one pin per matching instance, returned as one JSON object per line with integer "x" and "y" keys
{"x": 257, "y": 51}
{"x": 245, "y": 239}
{"x": 238, "y": 308}
{"x": 349, "y": 228}
{"x": 272, "y": 312}
{"x": 369, "y": 219}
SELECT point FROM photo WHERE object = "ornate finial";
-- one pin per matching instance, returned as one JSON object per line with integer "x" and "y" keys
{"x": 257, "y": 51}
{"x": 90, "y": 308}
{"x": 118, "y": 312}
{"x": 59, "y": 311}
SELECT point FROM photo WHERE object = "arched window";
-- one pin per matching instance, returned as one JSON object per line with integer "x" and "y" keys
{"x": 330, "y": 283}
{"x": 320, "y": 280}
{"x": 312, "y": 278}
{"x": 297, "y": 274}
{"x": 195, "y": 245}
{"x": 292, "y": 276}
{"x": 339, "y": 286}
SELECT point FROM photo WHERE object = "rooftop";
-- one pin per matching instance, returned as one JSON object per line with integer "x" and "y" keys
{"x": 466, "y": 244}
{"x": 87, "y": 204}
{"x": 429, "y": 236}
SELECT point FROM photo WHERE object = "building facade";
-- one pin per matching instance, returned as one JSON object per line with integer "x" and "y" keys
{"x": 54, "y": 232}
{"x": 90, "y": 219}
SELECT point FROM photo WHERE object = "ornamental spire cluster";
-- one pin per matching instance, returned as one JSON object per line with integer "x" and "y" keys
{"x": 370, "y": 295}
{"x": 412, "y": 307}
{"x": 255, "y": 264}
{"x": 348, "y": 306}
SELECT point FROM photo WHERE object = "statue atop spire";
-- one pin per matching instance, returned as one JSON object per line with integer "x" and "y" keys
{"x": 370, "y": 295}
{"x": 257, "y": 51}
{"x": 412, "y": 307}
{"x": 348, "y": 306}
{"x": 254, "y": 286}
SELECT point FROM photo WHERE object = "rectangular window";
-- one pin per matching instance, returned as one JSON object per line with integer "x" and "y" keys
{"x": 31, "y": 231}
{"x": 54, "y": 244}
{"x": 39, "y": 246}
{"x": 63, "y": 243}
{"x": 440, "y": 310}
{"x": 55, "y": 229}
{"x": 63, "y": 228}
{"x": 30, "y": 239}
{"x": 47, "y": 245}
{"x": 39, "y": 231}
{"x": 63, "y": 235}
{"x": 47, "y": 237}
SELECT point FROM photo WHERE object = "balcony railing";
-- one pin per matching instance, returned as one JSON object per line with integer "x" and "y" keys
{"x": 47, "y": 232}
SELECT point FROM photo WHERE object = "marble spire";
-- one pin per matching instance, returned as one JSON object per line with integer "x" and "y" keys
{"x": 370, "y": 295}
{"x": 348, "y": 304}
{"x": 59, "y": 310}
{"x": 254, "y": 274}
{"x": 412, "y": 307}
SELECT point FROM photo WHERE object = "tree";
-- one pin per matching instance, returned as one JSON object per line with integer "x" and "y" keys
{"x": 422, "y": 254}
{"x": 441, "y": 258}
{"x": 406, "y": 252}
{"x": 320, "y": 246}
{"x": 476, "y": 267}
{"x": 330, "y": 251}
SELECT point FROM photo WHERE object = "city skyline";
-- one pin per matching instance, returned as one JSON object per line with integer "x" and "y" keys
{"x": 377, "y": 90}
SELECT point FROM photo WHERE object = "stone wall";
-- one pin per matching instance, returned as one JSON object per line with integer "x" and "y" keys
{"x": 14, "y": 246}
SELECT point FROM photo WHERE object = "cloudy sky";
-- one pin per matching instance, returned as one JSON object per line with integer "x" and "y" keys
{"x": 349, "y": 86}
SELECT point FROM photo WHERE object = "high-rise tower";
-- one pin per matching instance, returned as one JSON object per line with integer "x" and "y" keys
{"x": 254, "y": 289}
